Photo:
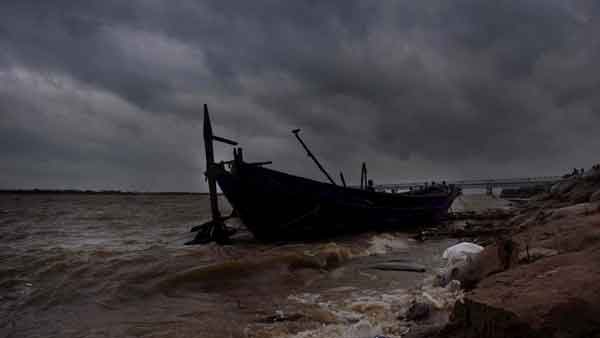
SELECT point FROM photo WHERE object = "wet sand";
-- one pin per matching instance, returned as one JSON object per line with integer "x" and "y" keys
{"x": 115, "y": 265}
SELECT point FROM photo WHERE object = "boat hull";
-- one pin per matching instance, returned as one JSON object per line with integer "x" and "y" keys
{"x": 277, "y": 206}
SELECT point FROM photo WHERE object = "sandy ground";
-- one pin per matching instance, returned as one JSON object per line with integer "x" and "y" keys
{"x": 478, "y": 202}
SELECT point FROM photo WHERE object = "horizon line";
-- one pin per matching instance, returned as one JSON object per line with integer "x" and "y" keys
{"x": 95, "y": 191}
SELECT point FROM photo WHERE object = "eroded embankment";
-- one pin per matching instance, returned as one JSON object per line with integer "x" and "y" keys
{"x": 541, "y": 280}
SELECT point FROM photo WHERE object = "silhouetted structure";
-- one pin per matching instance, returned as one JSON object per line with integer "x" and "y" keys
{"x": 277, "y": 206}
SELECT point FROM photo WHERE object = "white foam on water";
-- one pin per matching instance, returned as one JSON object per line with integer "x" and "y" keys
{"x": 361, "y": 329}
{"x": 442, "y": 298}
{"x": 305, "y": 298}
{"x": 367, "y": 313}
{"x": 362, "y": 313}
{"x": 385, "y": 243}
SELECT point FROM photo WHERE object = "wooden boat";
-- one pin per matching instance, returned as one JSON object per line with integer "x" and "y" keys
{"x": 276, "y": 206}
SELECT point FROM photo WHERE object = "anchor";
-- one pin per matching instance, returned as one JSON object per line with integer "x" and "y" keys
{"x": 214, "y": 230}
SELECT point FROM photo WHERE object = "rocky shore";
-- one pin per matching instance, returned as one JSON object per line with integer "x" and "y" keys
{"x": 540, "y": 277}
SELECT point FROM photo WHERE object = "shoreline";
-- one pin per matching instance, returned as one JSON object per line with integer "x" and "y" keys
{"x": 541, "y": 276}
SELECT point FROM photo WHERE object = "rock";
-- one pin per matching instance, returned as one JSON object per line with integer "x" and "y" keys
{"x": 563, "y": 187}
{"x": 553, "y": 297}
{"x": 579, "y": 190}
{"x": 582, "y": 192}
{"x": 418, "y": 311}
{"x": 473, "y": 319}
{"x": 424, "y": 330}
{"x": 508, "y": 252}
{"x": 595, "y": 197}
{"x": 544, "y": 196}
{"x": 556, "y": 294}
{"x": 592, "y": 175}
{"x": 580, "y": 196}
{"x": 441, "y": 278}
{"x": 571, "y": 211}
{"x": 533, "y": 254}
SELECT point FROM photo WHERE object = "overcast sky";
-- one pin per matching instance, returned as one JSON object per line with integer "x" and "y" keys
{"x": 108, "y": 94}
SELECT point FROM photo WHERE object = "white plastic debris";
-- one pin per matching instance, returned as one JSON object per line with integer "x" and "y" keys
{"x": 457, "y": 257}
{"x": 460, "y": 252}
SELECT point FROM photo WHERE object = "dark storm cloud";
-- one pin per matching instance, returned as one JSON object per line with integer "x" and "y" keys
{"x": 109, "y": 94}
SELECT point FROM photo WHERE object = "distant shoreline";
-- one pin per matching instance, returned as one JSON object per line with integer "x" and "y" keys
{"x": 94, "y": 192}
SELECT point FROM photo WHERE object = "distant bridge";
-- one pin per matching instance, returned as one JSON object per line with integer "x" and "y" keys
{"x": 488, "y": 184}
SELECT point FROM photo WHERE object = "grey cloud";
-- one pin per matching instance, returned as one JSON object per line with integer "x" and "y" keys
{"x": 444, "y": 89}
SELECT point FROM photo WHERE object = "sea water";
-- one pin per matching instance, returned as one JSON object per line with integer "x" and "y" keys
{"x": 101, "y": 265}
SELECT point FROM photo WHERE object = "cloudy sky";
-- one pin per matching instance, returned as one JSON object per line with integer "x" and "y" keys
{"x": 108, "y": 94}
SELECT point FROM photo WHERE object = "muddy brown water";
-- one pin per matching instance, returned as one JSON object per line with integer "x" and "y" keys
{"x": 116, "y": 266}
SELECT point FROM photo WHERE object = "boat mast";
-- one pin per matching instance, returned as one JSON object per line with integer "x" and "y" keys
{"x": 210, "y": 162}
{"x": 310, "y": 154}
{"x": 215, "y": 229}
